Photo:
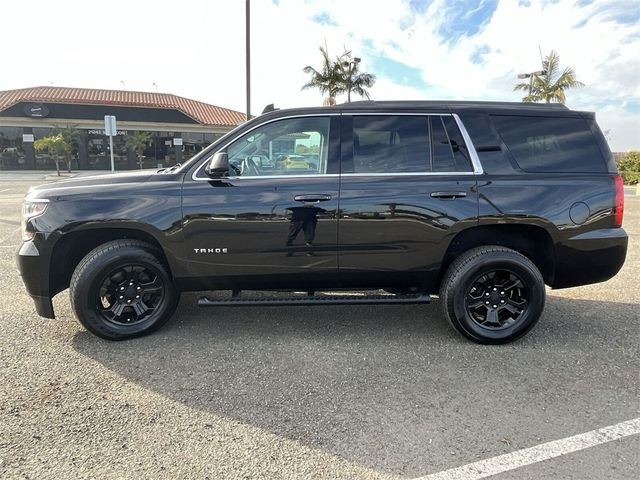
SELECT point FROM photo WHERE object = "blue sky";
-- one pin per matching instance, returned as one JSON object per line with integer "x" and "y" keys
{"x": 418, "y": 49}
{"x": 474, "y": 49}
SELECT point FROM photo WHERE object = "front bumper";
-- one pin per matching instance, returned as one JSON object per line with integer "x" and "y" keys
{"x": 44, "y": 306}
{"x": 33, "y": 264}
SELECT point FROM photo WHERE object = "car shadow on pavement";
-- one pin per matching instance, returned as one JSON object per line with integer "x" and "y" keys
{"x": 392, "y": 388}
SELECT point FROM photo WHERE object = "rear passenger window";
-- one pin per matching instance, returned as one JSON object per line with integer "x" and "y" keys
{"x": 440, "y": 147}
{"x": 390, "y": 144}
{"x": 449, "y": 150}
{"x": 408, "y": 144}
{"x": 550, "y": 144}
{"x": 461, "y": 158}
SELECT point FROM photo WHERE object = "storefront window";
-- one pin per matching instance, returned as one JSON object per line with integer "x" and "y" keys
{"x": 12, "y": 155}
{"x": 209, "y": 138}
{"x": 92, "y": 149}
{"x": 99, "y": 155}
{"x": 193, "y": 143}
{"x": 155, "y": 151}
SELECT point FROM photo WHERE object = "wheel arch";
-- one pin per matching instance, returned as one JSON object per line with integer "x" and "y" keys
{"x": 533, "y": 241}
{"x": 73, "y": 246}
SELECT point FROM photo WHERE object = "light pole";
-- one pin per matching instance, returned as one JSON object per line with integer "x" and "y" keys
{"x": 530, "y": 76}
{"x": 351, "y": 65}
{"x": 248, "y": 55}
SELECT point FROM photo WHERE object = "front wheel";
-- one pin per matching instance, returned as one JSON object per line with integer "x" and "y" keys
{"x": 492, "y": 294}
{"x": 122, "y": 290}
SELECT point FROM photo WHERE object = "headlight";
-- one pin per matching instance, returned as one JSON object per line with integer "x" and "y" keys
{"x": 31, "y": 209}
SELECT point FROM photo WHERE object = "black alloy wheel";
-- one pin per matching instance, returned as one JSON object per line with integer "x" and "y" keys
{"x": 492, "y": 294}
{"x": 497, "y": 299}
{"x": 122, "y": 289}
{"x": 129, "y": 294}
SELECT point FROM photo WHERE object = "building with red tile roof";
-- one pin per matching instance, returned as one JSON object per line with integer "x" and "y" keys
{"x": 178, "y": 127}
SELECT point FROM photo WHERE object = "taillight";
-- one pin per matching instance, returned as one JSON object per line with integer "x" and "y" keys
{"x": 619, "y": 209}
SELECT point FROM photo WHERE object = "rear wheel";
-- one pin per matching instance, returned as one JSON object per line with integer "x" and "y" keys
{"x": 492, "y": 294}
{"x": 122, "y": 290}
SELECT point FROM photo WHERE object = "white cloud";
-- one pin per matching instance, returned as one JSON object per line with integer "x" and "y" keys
{"x": 196, "y": 49}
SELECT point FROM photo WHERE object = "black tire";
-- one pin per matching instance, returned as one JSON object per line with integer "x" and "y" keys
{"x": 471, "y": 286}
{"x": 96, "y": 283}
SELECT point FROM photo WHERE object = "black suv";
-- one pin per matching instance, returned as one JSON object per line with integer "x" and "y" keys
{"x": 481, "y": 203}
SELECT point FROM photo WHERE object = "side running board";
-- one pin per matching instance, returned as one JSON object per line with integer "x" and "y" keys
{"x": 314, "y": 300}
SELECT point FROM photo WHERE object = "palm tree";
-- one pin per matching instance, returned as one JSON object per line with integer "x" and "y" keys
{"x": 138, "y": 142}
{"x": 60, "y": 144}
{"x": 68, "y": 143}
{"x": 338, "y": 76}
{"x": 53, "y": 145}
{"x": 353, "y": 80}
{"x": 329, "y": 79}
{"x": 550, "y": 85}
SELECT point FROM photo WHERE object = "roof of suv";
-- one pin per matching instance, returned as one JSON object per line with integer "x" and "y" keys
{"x": 440, "y": 105}
{"x": 367, "y": 104}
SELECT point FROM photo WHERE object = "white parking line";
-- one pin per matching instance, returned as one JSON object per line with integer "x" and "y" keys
{"x": 544, "y": 451}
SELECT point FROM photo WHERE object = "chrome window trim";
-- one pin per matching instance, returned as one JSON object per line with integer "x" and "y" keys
{"x": 407, "y": 174}
{"x": 475, "y": 160}
{"x": 267, "y": 177}
{"x": 335, "y": 175}
{"x": 200, "y": 179}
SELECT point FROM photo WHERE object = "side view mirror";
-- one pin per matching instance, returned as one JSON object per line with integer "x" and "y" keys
{"x": 218, "y": 165}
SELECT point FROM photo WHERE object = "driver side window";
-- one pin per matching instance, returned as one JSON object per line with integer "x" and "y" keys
{"x": 296, "y": 146}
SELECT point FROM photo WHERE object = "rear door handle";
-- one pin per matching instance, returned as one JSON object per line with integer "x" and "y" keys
{"x": 448, "y": 195}
{"x": 312, "y": 198}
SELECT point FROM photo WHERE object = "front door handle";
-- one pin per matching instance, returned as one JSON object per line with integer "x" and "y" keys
{"x": 448, "y": 195}
{"x": 312, "y": 198}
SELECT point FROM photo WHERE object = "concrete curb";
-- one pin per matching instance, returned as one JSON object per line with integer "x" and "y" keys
{"x": 62, "y": 176}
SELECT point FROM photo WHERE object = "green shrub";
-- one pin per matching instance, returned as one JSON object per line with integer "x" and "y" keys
{"x": 629, "y": 167}
{"x": 630, "y": 178}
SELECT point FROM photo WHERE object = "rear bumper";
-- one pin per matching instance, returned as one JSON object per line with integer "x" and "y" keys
{"x": 33, "y": 264}
{"x": 590, "y": 257}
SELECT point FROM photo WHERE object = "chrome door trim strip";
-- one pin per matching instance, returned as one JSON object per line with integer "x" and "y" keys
{"x": 407, "y": 174}
{"x": 475, "y": 160}
{"x": 320, "y": 176}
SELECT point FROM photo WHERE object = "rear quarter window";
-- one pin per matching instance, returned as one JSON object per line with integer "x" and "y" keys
{"x": 490, "y": 149}
{"x": 550, "y": 144}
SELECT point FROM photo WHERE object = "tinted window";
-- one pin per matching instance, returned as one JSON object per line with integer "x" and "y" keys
{"x": 390, "y": 144}
{"x": 461, "y": 159}
{"x": 448, "y": 148}
{"x": 440, "y": 147}
{"x": 493, "y": 156}
{"x": 550, "y": 144}
{"x": 408, "y": 144}
{"x": 297, "y": 146}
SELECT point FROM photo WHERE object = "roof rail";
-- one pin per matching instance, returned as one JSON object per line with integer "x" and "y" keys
{"x": 458, "y": 103}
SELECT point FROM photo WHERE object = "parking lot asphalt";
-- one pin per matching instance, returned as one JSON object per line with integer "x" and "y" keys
{"x": 314, "y": 392}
